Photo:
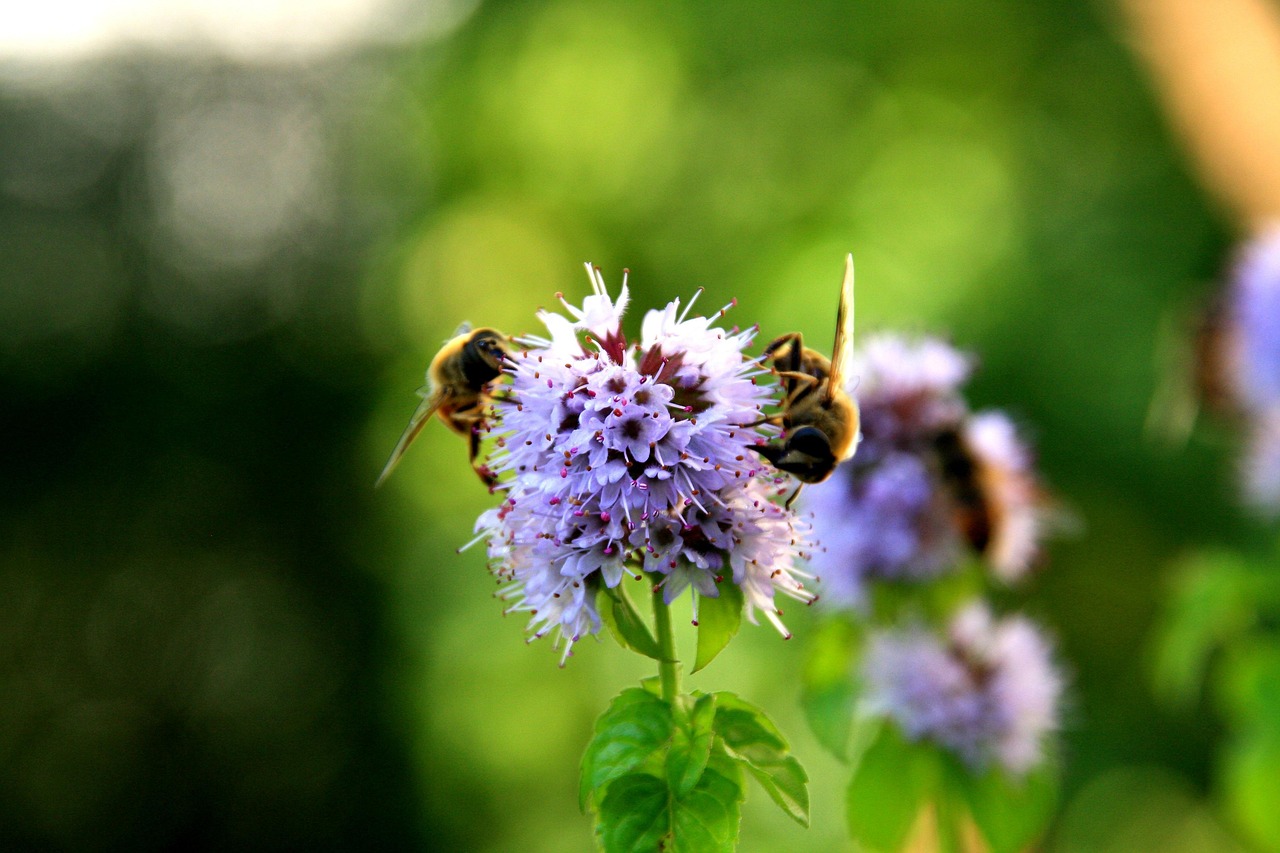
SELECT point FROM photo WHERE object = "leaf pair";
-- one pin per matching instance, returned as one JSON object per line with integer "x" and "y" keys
{"x": 895, "y": 782}
{"x": 718, "y": 621}
{"x": 672, "y": 777}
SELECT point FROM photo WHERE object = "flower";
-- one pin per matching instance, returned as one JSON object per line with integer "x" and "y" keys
{"x": 931, "y": 481}
{"x": 1241, "y": 364}
{"x": 909, "y": 390}
{"x": 1253, "y": 315}
{"x": 615, "y": 458}
{"x": 1260, "y": 466}
{"x": 988, "y": 691}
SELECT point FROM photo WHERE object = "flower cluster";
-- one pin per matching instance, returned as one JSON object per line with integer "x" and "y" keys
{"x": 934, "y": 484}
{"x": 614, "y": 458}
{"x": 1241, "y": 354}
{"x": 988, "y": 690}
{"x": 931, "y": 481}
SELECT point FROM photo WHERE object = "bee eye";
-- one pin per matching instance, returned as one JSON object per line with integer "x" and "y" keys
{"x": 810, "y": 441}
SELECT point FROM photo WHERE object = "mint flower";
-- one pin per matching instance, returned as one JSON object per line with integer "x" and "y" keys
{"x": 1243, "y": 348}
{"x": 931, "y": 483}
{"x": 616, "y": 458}
{"x": 1253, "y": 315}
{"x": 988, "y": 691}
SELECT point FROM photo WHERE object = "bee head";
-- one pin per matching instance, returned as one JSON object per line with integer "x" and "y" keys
{"x": 490, "y": 345}
{"x": 805, "y": 454}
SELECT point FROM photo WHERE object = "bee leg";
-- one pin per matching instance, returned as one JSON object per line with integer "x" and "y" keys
{"x": 796, "y": 383}
{"x": 775, "y": 420}
{"x": 792, "y": 355}
{"x": 793, "y": 497}
{"x": 787, "y": 355}
{"x": 486, "y": 475}
{"x": 483, "y": 471}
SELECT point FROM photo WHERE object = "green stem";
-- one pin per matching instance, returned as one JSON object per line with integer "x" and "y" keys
{"x": 668, "y": 666}
{"x": 949, "y": 839}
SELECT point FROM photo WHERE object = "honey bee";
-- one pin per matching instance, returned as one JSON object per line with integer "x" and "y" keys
{"x": 460, "y": 380}
{"x": 974, "y": 512}
{"x": 819, "y": 418}
{"x": 996, "y": 502}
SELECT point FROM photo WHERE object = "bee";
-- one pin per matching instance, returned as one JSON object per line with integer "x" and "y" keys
{"x": 974, "y": 512}
{"x": 460, "y": 380}
{"x": 819, "y": 418}
{"x": 996, "y": 502}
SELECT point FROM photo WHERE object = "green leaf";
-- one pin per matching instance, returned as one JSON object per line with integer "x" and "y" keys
{"x": 691, "y": 742}
{"x": 891, "y": 781}
{"x": 830, "y": 689}
{"x": 625, "y": 624}
{"x": 631, "y": 731}
{"x": 1011, "y": 812}
{"x": 1211, "y": 604}
{"x": 707, "y": 818}
{"x": 1252, "y": 787}
{"x": 718, "y": 621}
{"x": 634, "y": 815}
{"x": 1247, "y": 683}
{"x": 751, "y": 738}
{"x": 640, "y": 814}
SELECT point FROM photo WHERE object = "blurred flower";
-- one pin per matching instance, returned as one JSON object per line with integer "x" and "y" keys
{"x": 930, "y": 482}
{"x": 988, "y": 691}
{"x": 614, "y": 456}
{"x": 1240, "y": 368}
{"x": 1254, "y": 314}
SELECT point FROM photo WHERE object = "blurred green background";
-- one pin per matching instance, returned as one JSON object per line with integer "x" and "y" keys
{"x": 223, "y": 270}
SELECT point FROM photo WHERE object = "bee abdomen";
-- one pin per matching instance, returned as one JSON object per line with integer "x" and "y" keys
{"x": 960, "y": 472}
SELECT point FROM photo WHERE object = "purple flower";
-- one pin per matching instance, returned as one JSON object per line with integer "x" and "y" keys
{"x": 1242, "y": 348}
{"x": 879, "y": 517}
{"x": 988, "y": 691}
{"x": 615, "y": 457}
{"x": 931, "y": 482}
{"x": 1253, "y": 314}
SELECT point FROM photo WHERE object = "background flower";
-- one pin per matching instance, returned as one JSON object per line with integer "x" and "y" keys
{"x": 930, "y": 483}
{"x": 1240, "y": 364}
{"x": 987, "y": 689}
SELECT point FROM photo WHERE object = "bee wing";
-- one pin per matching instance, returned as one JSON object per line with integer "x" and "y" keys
{"x": 842, "y": 349}
{"x": 430, "y": 403}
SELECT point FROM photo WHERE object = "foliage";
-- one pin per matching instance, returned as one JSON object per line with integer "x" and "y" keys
{"x": 671, "y": 777}
{"x": 1220, "y": 628}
